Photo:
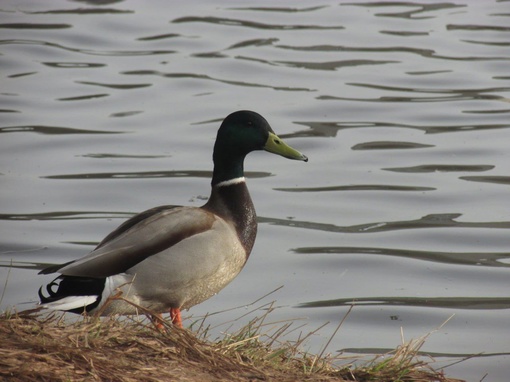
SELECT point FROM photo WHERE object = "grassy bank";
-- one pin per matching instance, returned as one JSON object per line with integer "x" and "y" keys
{"x": 49, "y": 348}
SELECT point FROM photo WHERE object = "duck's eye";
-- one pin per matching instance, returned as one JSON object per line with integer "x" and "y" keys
{"x": 249, "y": 123}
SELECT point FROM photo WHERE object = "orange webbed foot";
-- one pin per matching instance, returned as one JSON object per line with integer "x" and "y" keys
{"x": 157, "y": 320}
{"x": 175, "y": 315}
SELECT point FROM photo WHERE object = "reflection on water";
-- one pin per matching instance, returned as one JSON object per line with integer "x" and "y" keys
{"x": 358, "y": 187}
{"x": 443, "y": 168}
{"x": 429, "y": 221}
{"x": 432, "y": 302}
{"x": 464, "y": 258}
{"x": 110, "y": 108}
{"x": 203, "y": 77}
{"x": 66, "y": 215}
{"x": 389, "y": 146}
{"x": 488, "y": 179}
{"x": 52, "y": 130}
{"x": 252, "y": 24}
{"x": 417, "y": 11}
{"x": 330, "y": 129}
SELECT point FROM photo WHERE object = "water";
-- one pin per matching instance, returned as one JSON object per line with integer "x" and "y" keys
{"x": 109, "y": 108}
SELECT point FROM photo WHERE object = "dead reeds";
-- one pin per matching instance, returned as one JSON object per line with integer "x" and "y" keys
{"x": 35, "y": 347}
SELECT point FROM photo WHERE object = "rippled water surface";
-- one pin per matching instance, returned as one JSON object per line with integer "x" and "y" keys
{"x": 109, "y": 108}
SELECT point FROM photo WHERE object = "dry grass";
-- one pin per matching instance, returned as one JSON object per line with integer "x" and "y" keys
{"x": 402, "y": 365}
{"x": 48, "y": 348}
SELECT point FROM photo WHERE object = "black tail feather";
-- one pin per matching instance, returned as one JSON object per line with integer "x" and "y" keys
{"x": 73, "y": 286}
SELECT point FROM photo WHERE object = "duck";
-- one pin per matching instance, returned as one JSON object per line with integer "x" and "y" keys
{"x": 170, "y": 258}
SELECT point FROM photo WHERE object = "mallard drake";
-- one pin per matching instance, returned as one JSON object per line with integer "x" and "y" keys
{"x": 171, "y": 258}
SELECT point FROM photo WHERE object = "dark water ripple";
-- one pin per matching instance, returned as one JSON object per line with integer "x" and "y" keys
{"x": 505, "y": 180}
{"x": 67, "y": 215}
{"x": 489, "y": 259}
{"x": 389, "y": 145}
{"x": 333, "y": 65}
{"x": 203, "y": 77}
{"x": 83, "y": 11}
{"x": 428, "y": 221}
{"x": 253, "y": 42}
{"x": 115, "y": 86}
{"x": 53, "y": 130}
{"x": 423, "y": 302}
{"x": 331, "y": 129}
{"x": 358, "y": 187}
{"x": 392, "y": 99}
{"x": 417, "y": 9}
{"x": 159, "y": 37}
{"x": 472, "y": 27}
{"x": 84, "y": 97}
{"x": 426, "y": 53}
{"x": 73, "y": 65}
{"x": 118, "y": 156}
{"x": 493, "y": 43}
{"x": 450, "y": 94}
{"x": 280, "y": 9}
{"x": 250, "y": 24}
{"x": 91, "y": 52}
{"x": 442, "y": 168}
{"x": 34, "y": 26}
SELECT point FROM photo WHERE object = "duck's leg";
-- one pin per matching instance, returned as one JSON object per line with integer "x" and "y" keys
{"x": 157, "y": 319}
{"x": 175, "y": 315}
